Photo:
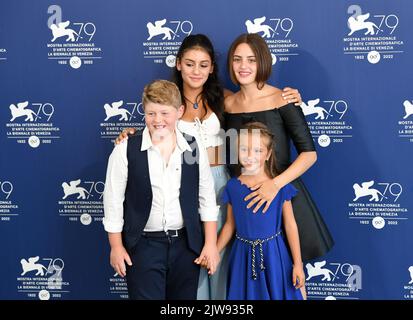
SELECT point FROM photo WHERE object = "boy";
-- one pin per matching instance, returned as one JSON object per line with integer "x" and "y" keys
{"x": 151, "y": 204}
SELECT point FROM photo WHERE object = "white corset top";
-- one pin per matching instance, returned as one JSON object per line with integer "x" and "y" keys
{"x": 207, "y": 132}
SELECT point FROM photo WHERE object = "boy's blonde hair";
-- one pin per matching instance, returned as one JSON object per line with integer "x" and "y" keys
{"x": 162, "y": 92}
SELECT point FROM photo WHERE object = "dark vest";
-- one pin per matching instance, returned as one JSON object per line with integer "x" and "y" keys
{"x": 138, "y": 195}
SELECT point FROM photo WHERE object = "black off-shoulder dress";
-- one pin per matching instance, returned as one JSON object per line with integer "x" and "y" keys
{"x": 288, "y": 123}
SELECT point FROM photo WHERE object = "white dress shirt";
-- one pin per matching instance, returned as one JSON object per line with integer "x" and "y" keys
{"x": 166, "y": 213}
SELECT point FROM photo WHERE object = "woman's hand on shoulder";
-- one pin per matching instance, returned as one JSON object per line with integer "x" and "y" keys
{"x": 292, "y": 95}
{"x": 124, "y": 135}
{"x": 263, "y": 193}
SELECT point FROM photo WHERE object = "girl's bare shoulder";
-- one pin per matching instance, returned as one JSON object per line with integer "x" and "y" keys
{"x": 273, "y": 96}
{"x": 227, "y": 93}
{"x": 272, "y": 91}
{"x": 229, "y": 101}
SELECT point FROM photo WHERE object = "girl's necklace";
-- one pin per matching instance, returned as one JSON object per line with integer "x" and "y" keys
{"x": 195, "y": 104}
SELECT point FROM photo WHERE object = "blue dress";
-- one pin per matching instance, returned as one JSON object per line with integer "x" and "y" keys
{"x": 274, "y": 282}
{"x": 288, "y": 124}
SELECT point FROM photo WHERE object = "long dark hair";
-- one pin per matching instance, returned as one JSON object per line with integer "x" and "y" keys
{"x": 212, "y": 93}
{"x": 270, "y": 164}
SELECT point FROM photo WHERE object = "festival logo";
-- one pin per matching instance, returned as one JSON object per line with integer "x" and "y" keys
{"x": 164, "y": 38}
{"x": 42, "y": 278}
{"x": 3, "y": 54}
{"x": 333, "y": 280}
{"x": 3, "y": 51}
{"x": 406, "y": 124}
{"x": 372, "y": 36}
{"x": 71, "y": 42}
{"x": 408, "y": 288}
{"x": 328, "y": 121}
{"x": 8, "y": 207}
{"x": 408, "y": 109}
{"x": 31, "y": 123}
{"x": 276, "y": 31}
{"x": 119, "y": 115}
{"x": 118, "y": 287}
{"x": 377, "y": 204}
{"x": 82, "y": 201}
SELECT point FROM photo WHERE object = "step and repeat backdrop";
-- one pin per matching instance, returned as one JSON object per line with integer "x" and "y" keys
{"x": 71, "y": 77}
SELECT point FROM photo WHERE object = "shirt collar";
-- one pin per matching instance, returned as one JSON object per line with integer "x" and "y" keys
{"x": 180, "y": 141}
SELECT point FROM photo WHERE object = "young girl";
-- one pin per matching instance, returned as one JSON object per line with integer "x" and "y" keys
{"x": 260, "y": 266}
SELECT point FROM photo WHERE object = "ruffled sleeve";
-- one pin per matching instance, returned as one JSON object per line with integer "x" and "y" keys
{"x": 288, "y": 192}
{"x": 297, "y": 127}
